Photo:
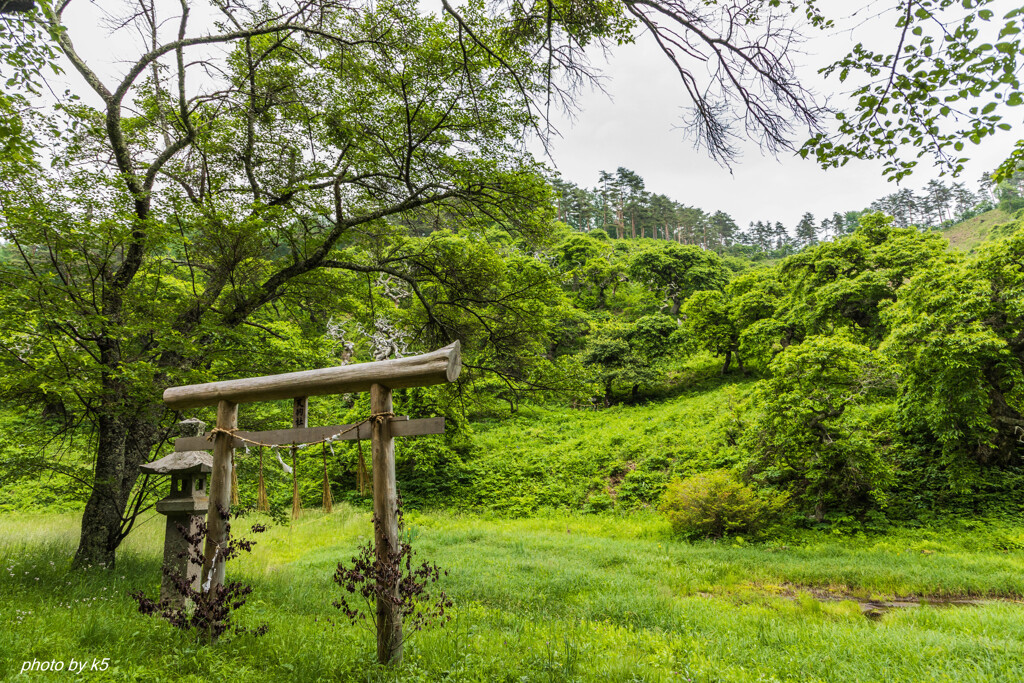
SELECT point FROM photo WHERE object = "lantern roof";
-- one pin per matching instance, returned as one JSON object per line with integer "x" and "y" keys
{"x": 180, "y": 462}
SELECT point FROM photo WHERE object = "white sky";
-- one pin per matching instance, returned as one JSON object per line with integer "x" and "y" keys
{"x": 635, "y": 126}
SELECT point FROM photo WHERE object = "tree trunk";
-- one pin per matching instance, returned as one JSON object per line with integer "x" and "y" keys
{"x": 728, "y": 361}
{"x": 677, "y": 303}
{"x": 101, "y": 520}
{"x": 124, "y": 445}
{"x": 126, "y": 433}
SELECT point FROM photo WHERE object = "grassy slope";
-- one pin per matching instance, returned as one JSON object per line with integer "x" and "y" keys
{"x": 557, "y": 598}
{"x": 564, "y": 458}
{"x": 972, "y": 233}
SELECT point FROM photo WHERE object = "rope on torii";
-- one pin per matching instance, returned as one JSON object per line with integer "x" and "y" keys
{"x": 362, "y": 477}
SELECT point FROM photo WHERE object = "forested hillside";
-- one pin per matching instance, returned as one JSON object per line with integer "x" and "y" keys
{"x": 873, "y": 375}
{"x": 622, "y": 207}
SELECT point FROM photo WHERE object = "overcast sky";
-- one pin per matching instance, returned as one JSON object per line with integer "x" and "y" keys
{"x": 635, "y": 125}
{"x": 636, "y": 128}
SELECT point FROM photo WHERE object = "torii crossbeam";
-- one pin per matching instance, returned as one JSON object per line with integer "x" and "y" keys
{"x": 379, "y": 378}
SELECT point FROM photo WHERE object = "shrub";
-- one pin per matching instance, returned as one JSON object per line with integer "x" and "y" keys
{"x": 207, "y": 611}
{"x": 714, "y": 504}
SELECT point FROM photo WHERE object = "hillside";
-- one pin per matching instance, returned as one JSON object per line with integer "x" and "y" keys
{"x": 548, "y": 457}
{"x": 973, "y": 232}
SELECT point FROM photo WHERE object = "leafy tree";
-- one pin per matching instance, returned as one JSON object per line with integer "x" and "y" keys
{"x": 725, "y": 227}
{"x": 937, "y": 202}
{"x": 631, "y": 354}
{"x": 179, "y": 224}
{"x": 839, "y": 224}
{"x": 709, "y": 326}
{"x": 574, "y": 205}
{"x": 675, "y": 271}
{"x": 805, "y": 441}
{"x": 591, "y": 268}
{"x": 1009, "y": 192}
{"x": 950, "y": 80}
{"x": 634, "y": 199}
{"x": 692, "y": 225}
{"x": 755, "y": 298}
{"x": 739, "y": 321}
{"x": 608, "y": 199}
{"x": 842, "y": 284}
{"x": 965, "y": 202}
{"x": 957, "y": 332}
{"x": 807, "y": 230}
{"x": 663, "y": 213}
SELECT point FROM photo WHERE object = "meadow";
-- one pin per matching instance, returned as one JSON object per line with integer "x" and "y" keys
{"x": 555, "y": 597}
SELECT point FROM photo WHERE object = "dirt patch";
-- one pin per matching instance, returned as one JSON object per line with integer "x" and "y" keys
{"x": 875, "y": 609}
{"x": 872, "y": 607}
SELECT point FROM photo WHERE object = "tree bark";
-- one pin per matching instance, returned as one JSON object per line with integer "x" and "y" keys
{"x": 126, "y": 436}
{"x": 101, "y": 519}
{"x": 677, "y": 303}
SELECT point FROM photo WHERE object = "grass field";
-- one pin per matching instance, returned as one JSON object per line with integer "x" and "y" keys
{"x": 556, "y": 598}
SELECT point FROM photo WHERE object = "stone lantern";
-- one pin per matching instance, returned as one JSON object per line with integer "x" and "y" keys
{"x": 185, "y": 505}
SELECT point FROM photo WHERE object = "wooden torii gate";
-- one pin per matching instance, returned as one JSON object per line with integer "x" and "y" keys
{"x": 379, "y": 378}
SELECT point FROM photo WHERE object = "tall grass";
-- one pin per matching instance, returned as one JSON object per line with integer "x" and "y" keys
{"x": 555, "y": 598}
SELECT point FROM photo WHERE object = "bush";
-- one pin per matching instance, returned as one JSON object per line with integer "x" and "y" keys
{"x": 714, "y": 504}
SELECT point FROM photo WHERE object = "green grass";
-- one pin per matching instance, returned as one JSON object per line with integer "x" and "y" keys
{"x": 972, "y": 233}
{"x": 551, "y": 457}
{"x": 555, "y": 598}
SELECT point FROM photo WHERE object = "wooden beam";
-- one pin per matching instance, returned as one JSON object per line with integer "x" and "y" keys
{"x": 436, "y": 367}
{"x": 220, "y": 498}
{"x": 385, "y": 512}
{"x": 400, "y": 426}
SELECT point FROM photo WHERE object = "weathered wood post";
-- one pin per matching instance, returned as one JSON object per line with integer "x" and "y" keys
{"x": 220, "y": 496}
{"x": 385, "y": 512}
{"x": 379, "y": 378}
{"x": 300, "y": 420}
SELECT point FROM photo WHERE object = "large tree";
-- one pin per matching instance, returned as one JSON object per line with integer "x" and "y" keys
{"x": 258, "y": 166}
{"x": 958, "y": 338}
{"x": 185, "y": 214}
{"x": 675, "y": 271}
